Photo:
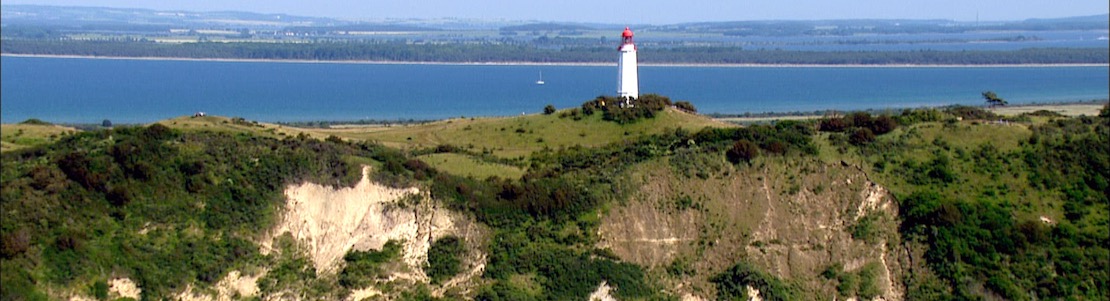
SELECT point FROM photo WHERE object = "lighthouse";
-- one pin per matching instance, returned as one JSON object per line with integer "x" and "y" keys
{"x": 628, "y": 82}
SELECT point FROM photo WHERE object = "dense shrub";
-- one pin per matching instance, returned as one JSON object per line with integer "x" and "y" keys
{"x": 686, "y": 106}
{"x": 14, "y": 243}
{"x": 883, "y": 124}
{"x": 361, "y": 268}
{"x": 35, "y": 121}
{"x": 742, "y": 151}
{"x": 971, "y": 113}
{"x": 861, "y": 136}
{"x": 858, "y": 120}
{"x": 912, "y": 116}
{"x": 732, "y": 284}
{"x": 834, "y": 124}
{"x": 444, "y": 258}
{"x": 618, "y": 110}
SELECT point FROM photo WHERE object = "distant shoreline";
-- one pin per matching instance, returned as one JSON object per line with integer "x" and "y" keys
{"x": 1070, "y": 108}
{"x": 1073, "y": 108}
{"x": 239, "y": 60}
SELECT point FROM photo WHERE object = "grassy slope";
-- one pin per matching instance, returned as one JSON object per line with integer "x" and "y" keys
{"x": 924, "y": 142}
{"x": 512, "y": 137}
{"x": 506, "y": 137}
{"x": 229, "y": 125}
{"x": 17, "y": 136}
{"x": 464, "y": 165}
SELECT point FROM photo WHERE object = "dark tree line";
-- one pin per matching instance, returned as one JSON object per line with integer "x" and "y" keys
{"x": 409, "y": 52}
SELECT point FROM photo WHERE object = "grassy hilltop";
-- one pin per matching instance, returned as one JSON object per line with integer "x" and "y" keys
{"x": 657, "y": 203}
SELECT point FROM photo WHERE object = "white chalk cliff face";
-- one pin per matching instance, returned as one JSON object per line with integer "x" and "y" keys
{"x": 329, "y": 222}
{"x": 792, "y": 226}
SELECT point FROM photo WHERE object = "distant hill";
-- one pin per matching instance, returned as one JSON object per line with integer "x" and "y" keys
{"x": 361, "y": 27}
{"x": 1103, "y": 18}
{"x": 547, "y": 27}
{"x": 79, "y": 16}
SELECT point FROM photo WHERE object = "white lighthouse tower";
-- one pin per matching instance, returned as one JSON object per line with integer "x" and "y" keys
{"x": 628, "y": 82}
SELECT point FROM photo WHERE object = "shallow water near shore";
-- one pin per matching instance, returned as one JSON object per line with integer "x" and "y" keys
{"x": 82, "y": 90}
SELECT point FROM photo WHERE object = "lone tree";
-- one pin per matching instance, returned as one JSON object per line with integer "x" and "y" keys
{"x": 548, "y": 110}
{"x": 993, "y": 100}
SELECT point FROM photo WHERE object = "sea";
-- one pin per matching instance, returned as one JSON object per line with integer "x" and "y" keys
{"x": 84, "y": 90}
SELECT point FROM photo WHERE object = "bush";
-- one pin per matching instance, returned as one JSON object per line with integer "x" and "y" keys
{"x": 883, "y": 124}
{"x": 613, "y": 109}
{"x": 775, "y": 147}
{"x": 14, "y": 243}
{"x": 548, "y": 110}
{"x": 867, "y": 228}
{"x": 858, "y": 119}
{"x": 971, "y": 113}
{"x": 361, "y": 267}
{"x": 686, "y": 106}
{"x": 732, "y": 284}
{"x": 743, "y": 150}
{"x": 861, "y": 136}
{"x": 99, "y": 290}
{"x": 912, "y": 116}
{"x": 1044, "y": 113}
{"x": 35, "y": 121}
{"x": 444, "y": 259}
{"x": 832, "y": 125}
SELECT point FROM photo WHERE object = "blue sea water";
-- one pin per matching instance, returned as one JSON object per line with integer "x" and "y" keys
{"x": 67, "y": 90}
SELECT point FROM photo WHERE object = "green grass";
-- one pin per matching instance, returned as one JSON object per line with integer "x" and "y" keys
{"x": 507, "y": 137}
{"x": 17, "y": 136}
{"x": 923, "y": 143}
{"x": 467, "y": 166}
{"x": 978, "y": 191}
{"x": 229, "y": 125}
{"x": 512, "y": 137}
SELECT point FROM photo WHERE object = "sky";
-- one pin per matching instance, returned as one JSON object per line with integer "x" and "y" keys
{"x": 630, "y": 11}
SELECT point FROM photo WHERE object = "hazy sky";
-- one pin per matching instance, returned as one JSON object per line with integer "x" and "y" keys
{"x": 630, "y": 11}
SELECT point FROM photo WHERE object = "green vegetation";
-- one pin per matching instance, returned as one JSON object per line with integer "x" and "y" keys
{"x": 444, "y": 259}
{"x": 624, "y": 112}
{"x": 1017, "y": 210}
{"x": 993, "y": 99}
{"x": 867, "y": 228}
{"x": 362, "y": 267}
{"x": 30, "y": 133}
{"x": 519, "y": 137}
{"x": 862, "y": 283}
{"x": 732, "y": 284}
{"x": 459, "y": 52}
{"x": 291, "y": 272}
{"x": 126, "y": 192}
{"x": 1020, "y": 210}
{"x": 470, "y": 166}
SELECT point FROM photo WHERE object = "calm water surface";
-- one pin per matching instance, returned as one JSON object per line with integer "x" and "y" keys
{"x": 131, "y": 91}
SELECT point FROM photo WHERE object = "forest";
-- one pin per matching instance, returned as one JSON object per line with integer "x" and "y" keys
{"x": 404, "y": 51}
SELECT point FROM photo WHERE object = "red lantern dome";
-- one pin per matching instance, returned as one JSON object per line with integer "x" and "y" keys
{"x": 627, "y": 33}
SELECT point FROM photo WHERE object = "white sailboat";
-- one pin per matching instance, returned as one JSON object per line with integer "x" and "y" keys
{"x": 540, "y": 82}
